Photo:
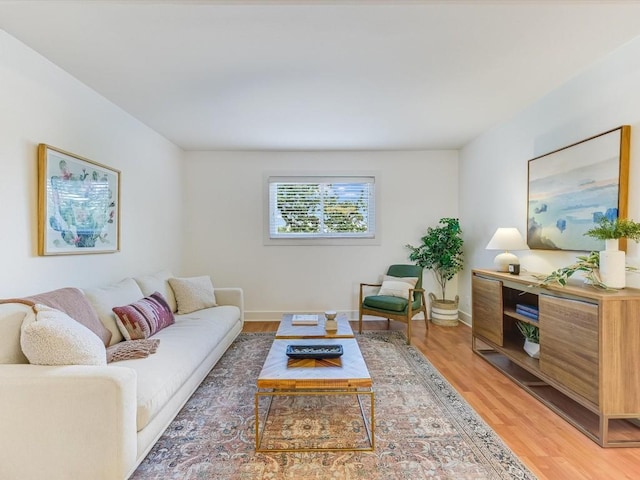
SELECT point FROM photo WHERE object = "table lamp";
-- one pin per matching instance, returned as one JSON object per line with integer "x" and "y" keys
{"x": 506, "y": 238}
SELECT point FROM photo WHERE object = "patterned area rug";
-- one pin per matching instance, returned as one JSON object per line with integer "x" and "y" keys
{"x": 424, "y": 429}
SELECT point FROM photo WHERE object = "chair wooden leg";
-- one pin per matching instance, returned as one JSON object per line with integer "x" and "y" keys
{"x": 360, "y": 309}
{"x": 424, "y": 312}
{"x": 388, "y": 323}
{"x": 409, "y": 332}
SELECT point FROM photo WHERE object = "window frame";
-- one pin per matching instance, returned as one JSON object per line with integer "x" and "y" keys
{"x": 320, "y": 177}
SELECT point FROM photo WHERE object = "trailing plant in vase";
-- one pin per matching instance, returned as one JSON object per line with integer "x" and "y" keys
{"x": 589, "y": 264}
{"x": 612, "y": 260}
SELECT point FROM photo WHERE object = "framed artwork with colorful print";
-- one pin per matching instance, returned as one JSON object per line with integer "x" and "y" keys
{"x": 78, "y": 204}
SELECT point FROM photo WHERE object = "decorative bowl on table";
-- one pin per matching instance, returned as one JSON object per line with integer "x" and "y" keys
{"x": 331, "y": 324}
{"x": 314, "y": 351}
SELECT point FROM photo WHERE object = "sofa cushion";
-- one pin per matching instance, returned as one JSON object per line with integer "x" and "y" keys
{"x": 385, "y": 302}
{"x": 397, "y": 286}
{"x": 144, "y": 317}
{"x": 51, "y": 337}
{"x": 105, "y": 298}
{"x": 183, "y": 347}
{"x": 73, "y": 302}
{"x": 193, "y": 293}
{"x": 158, "y": 282}
{"x": 11, "y": 316}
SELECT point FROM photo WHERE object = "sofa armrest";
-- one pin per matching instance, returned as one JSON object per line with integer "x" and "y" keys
{"x": 231, "y": 296}
{"x": 67, "y": 422}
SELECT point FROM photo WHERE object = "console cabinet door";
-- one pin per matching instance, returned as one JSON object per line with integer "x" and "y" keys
{"x": 486, "y": 309}
{"x": 569, "y": 344}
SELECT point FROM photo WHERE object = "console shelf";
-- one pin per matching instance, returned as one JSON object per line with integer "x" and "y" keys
{"x": 589, "y": 350}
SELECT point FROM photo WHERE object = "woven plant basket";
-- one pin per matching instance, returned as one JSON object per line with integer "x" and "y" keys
{"x": 444, "y": 312}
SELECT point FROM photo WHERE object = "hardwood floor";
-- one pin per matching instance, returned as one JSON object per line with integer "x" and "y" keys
{"x": 548, "y": 445}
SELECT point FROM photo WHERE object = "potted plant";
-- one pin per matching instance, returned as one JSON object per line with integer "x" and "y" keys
{"x": 441, "y": 252}
{"x": 612, "y": 260}
{"x": 531, "y": 335}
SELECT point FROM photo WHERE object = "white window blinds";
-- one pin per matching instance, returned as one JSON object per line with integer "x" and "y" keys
{"x": 321, "y": 207}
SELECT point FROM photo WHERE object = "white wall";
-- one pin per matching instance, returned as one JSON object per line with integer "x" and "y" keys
{"x": 224, "y": 214}
{"x": 493, "y": 168}
{"x": 39, "y": 103}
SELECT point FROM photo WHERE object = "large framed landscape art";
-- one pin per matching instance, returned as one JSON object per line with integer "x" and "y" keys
{"x": 571, "y": 189}
{"x": 78, "y": 204}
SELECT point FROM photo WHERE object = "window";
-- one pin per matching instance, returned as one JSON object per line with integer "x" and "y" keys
{"x": 321, "y": 207}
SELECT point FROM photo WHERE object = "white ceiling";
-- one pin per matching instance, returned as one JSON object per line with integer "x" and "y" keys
{"x": 322, "y": 74}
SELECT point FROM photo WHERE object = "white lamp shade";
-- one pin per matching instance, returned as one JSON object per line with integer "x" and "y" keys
{"x": 506, "y": 238}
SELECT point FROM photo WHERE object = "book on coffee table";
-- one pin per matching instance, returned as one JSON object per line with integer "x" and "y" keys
{"x": 303, "y": 319}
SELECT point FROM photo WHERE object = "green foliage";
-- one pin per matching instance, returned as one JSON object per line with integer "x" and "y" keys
{"x": 299, "y": 206}
{"x": 585, "y": 263}
{"x": 618, "y": 228}
{"x": 441, "y": 251}
{"x": 344, "y": 216}
{"x": 530, "y": 332}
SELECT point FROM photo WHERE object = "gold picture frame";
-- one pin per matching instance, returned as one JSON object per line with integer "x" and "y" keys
{"x": 78, "y": 204}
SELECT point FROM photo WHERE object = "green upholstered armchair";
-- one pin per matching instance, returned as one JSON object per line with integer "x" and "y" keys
{"x": 392, "y": 307}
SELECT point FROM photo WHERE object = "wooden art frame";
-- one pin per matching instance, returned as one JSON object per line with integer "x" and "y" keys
{"x": 571, "y": 188}
{"x": 78, "y": 204}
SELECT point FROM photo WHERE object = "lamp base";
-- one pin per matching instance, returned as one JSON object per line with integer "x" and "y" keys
{"x": 503, "y": 260}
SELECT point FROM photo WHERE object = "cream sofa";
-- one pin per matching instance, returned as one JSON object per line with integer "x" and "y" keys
{"x": 99, "y": 422}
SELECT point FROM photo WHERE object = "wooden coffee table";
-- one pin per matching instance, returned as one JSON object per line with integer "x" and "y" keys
{"x": 287, "y": 330}
{"x": 282, "y": 376}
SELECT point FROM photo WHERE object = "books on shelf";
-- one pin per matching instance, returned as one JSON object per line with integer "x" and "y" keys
{"x": 530, "y": 316}
{"x": 528, "y": 311}
{"x": 528, "y": 308}
{"x": 304, "y": 319}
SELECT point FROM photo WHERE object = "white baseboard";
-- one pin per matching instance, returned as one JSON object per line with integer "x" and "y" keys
{"x": 464, "y": 318}
{"x": 264, "y": 316}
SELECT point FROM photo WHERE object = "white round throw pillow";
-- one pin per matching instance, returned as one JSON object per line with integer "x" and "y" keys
{"x": 51, "y": 337}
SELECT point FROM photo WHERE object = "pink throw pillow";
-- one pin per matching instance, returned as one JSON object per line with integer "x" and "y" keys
{"x": 145, "y": 317}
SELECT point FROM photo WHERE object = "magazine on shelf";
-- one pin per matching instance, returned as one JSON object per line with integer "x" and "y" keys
{"x": 304, "y": 319}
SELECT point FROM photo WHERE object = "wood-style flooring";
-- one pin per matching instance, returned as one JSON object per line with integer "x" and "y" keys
{"x": 548, "y": 445}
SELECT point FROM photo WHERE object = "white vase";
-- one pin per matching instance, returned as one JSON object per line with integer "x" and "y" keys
{"x": 533, "y": 349}
{"x": 612, "y": 265}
